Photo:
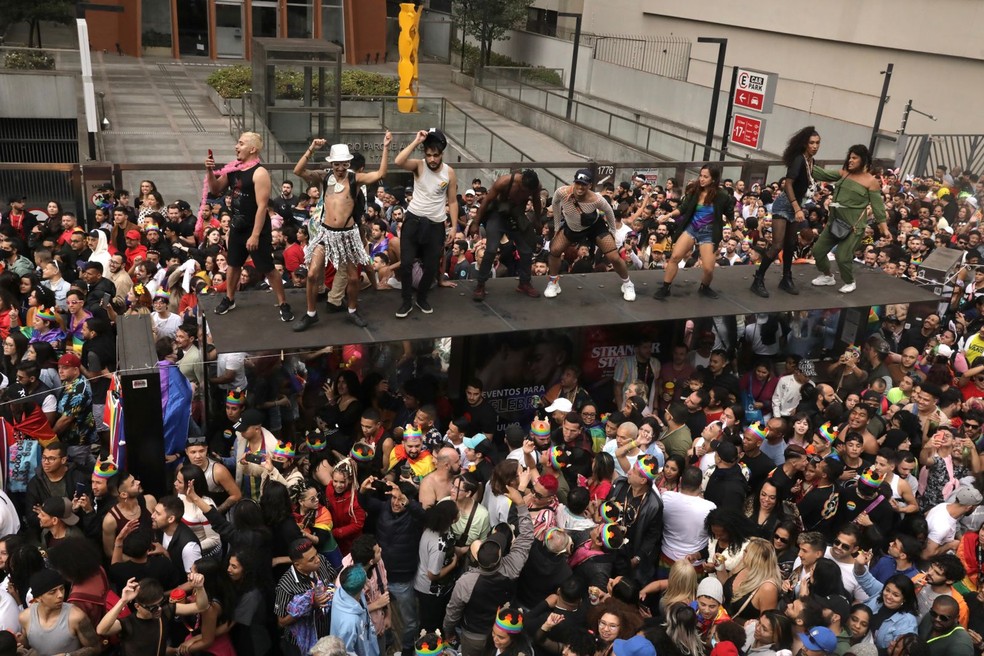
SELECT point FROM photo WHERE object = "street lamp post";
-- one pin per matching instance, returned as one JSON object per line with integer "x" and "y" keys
{"x": 882, "y": 101}
{"x": 577, "y": 44}
{"x": 718, "y": 73}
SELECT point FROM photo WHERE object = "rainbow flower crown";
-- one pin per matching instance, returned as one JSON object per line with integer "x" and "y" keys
{"x": 315, "y": 440}
{"x": 648, "y": 467}
{"x": 48, "y": 314}
{"x": 284, "y": 449}
{"x": 540, "y": 428}
{"x": 362, "y": 452}
{"x": 411, "y": 431}
{"x": 162, "y": 294}
{"x": 829, "y": 432}
{"x": 105, "y": 468}
{"x": 610, "y": 511}
{"x": 559, "y": 458}
{"x": 509, "y": 619}
{"x": 430, "y": 644}
{"x": 613, "y": 537}
{"x": 236, "y": 397}
{"x": 871, "y": 478}
{"x": 758, "y": 430}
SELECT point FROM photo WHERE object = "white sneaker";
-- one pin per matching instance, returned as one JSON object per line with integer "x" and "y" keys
{"x": 553, "y": 288}
{"x": 628, "y": 290}
{"x": 848, "y": 288}
{"x": 824, "y": 281}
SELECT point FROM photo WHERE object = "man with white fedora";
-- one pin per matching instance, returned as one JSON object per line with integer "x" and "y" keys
{"x": 333, "y": 227}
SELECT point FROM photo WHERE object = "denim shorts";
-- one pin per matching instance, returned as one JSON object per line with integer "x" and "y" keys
{"x": 782, "y": 208}
{"x": 704, "y": 235}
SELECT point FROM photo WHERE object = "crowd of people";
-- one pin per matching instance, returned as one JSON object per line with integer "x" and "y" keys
{"x": 753, "y": 488}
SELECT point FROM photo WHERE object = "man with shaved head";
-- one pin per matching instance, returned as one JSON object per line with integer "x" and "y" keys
{"x": 437, "y": 484}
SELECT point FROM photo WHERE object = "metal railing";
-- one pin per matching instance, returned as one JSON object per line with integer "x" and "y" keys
{"x": 920, "y": 154}
{"x": 660, "y": 143}
{"x": 668, "y": 56}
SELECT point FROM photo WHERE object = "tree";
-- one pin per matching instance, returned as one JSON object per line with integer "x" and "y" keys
{"x": 489, "y": 20}
{"x": 33, "y": 12}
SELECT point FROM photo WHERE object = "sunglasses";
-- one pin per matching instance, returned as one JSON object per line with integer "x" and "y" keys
{"x": 843, "y": 545}
{"x": 938, "y": 616}
{"x": 152, "y": 608}
{"x": 784, "y": 540}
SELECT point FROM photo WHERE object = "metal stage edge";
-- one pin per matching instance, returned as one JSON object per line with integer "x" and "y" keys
{"x": 592, "y": 299}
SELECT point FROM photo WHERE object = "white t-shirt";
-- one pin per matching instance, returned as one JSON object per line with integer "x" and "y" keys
{"x": 942, "y": 526}
{"x": 683, "y": 524}
{"x": 851, "y": 585}
{"x": 232, "y": 362}
{"x": 166, "y": 327}
{"x": 190, "y": 553}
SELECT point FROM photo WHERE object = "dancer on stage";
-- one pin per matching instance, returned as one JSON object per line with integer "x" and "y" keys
{"x": 704, "y": 210}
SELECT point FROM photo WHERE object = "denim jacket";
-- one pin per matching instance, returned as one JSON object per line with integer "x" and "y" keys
{"x": 898, "y": 624}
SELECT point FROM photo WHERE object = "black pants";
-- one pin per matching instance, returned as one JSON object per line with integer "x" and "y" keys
{"x": 431, "y": 609}
{"x": 424, "y": 239}
{"x": 496, "y": 226}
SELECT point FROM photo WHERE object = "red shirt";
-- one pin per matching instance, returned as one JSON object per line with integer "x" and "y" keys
{"x": 293, "y": 257}
{"x": 133, "y": 253}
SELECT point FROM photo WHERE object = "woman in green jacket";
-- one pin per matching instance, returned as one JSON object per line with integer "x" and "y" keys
{"x": 704, "y": 210}
{"x": 856, "y": 190}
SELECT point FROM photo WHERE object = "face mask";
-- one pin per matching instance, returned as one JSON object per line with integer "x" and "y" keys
{"x": 5, "y": 253}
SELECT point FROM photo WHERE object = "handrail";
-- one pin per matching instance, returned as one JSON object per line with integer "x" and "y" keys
{"x": 490, "y": 75}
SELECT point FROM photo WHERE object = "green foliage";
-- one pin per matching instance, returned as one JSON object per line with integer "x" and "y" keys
{"x": 234, "y": 81}
{"x": 29, "y": 60}
{"x": 488, "y": 20}
{"x": 34, "y": 12}
{"x": 155, "y": 39}
{"x": 547, "y": 76}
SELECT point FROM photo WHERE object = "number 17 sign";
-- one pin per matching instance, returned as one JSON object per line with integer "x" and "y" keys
{"x": 748, "y": 131}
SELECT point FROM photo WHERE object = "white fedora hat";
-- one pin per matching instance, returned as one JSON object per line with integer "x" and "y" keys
{"x": 339, "y": 153}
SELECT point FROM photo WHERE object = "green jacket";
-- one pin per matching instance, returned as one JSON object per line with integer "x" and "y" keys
{"x": 851, "y": 200}
{"x": 724, "y": 207}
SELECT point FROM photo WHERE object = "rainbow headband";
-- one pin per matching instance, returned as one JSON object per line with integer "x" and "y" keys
{"x": 829, "y": 432}
{"x": 285, "y": 449}
{"x": 163, "y": 294}
{"x": 758, "y": 431}
{"x": 361, "y": 452}
{"x": 610, "y": 534}
{"x": 871, "y": 478}
{"x": 105, "y": 469}
{"x": 235, "y": 398}
{"x": 509, "y": 620}
{"x": 540, "y": 428}
{"x": 425, "y": 648}
{"x": 648, "y": 467}
{"x": 411, "y": 431}
{"x": 48, "y": 314}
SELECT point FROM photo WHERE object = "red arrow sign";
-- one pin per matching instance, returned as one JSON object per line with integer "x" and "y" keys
{"x": 749, "y": 100}
{"x": 746, "y": 131}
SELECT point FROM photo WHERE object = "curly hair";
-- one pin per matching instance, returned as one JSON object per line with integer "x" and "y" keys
{"x": 629, "y": 619}
{"x": 797, "y": 144}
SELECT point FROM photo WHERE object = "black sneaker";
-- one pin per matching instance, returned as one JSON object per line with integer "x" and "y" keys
{"x": 306, "y": 322}
{"x": 354, "y": 318}
{"x": 662, "y": 293}
{"x": 225, "y": 305}
{"x": 707, "y": 292}
{"x": 787, "y": 285}
{"x": 424, "y": 306}
{"x": 405, "y": 308}
{"x": 334, "y": 309}
{"x": 285, "y": 313}
{"x": 758, "y": 287}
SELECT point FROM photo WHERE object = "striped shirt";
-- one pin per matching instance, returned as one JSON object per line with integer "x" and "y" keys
{"x": 316, "y": 623}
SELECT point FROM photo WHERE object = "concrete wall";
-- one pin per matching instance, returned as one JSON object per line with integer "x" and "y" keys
{"x": 39, "y": 94}
{"x": 829, "y": 57}
{"x": 435, "y": 35}
{"x": 546, "y": 51}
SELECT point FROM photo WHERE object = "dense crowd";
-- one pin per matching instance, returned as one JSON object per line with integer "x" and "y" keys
{"x": 755, "y": 488}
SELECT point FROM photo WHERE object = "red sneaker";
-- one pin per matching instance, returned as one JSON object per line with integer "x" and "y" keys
{"x": 528, "y": 289}
{"x": 479, "y": 293}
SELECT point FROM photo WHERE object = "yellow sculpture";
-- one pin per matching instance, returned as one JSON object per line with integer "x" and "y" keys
{"x": 408, "y": 68}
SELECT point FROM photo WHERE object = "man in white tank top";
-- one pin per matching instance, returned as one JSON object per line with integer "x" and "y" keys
{"x": 424, "y": 235}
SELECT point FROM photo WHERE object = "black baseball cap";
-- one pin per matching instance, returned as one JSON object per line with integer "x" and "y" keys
{"x": 251, "y": 417}
{"x": 584, "y": 176}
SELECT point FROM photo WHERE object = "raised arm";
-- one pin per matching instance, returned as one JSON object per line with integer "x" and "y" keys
{"x": 215, "y": 184}
{"x": 403, "y": 159}
{"x": 301, "y": 170}
{"x": 380, "y": 173}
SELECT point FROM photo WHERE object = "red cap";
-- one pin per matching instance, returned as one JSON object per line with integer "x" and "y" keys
{"x": 133, "y": 234}
{"x": 69, "y": 360}
{"x": 549, "y": 483}
{"x": 178, "y": 595}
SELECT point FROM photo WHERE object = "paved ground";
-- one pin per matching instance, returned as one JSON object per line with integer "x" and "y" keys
{"x": 159, "y": 112}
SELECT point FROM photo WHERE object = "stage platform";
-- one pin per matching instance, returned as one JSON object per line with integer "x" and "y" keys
{"x": 586, "y": 300}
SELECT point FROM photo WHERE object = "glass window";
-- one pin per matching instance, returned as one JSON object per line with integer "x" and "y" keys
{"x": 156, "y": 28}
{"x": 300, "y": 19}
{"x": 333, "y": 22}
{"x": 265, "y": 19}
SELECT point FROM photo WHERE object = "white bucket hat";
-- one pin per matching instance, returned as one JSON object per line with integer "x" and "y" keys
{"x": 339, "y": 153}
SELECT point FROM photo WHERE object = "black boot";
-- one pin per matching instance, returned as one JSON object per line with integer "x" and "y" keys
{"x": 663, "y": 292}
{"x": 707, "y": 292}
{"x": 787, "y": 285}
{"x": 758, "y": 287}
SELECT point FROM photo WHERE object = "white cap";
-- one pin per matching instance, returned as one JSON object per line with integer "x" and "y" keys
{"x": 560, "y": 405}
{"x": 944, "y": 350}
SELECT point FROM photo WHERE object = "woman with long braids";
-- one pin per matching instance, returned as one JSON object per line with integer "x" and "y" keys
{"x": 856, "y": 190}
{"x": 787, "y": 208}
{"x": 704, "y": 210}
